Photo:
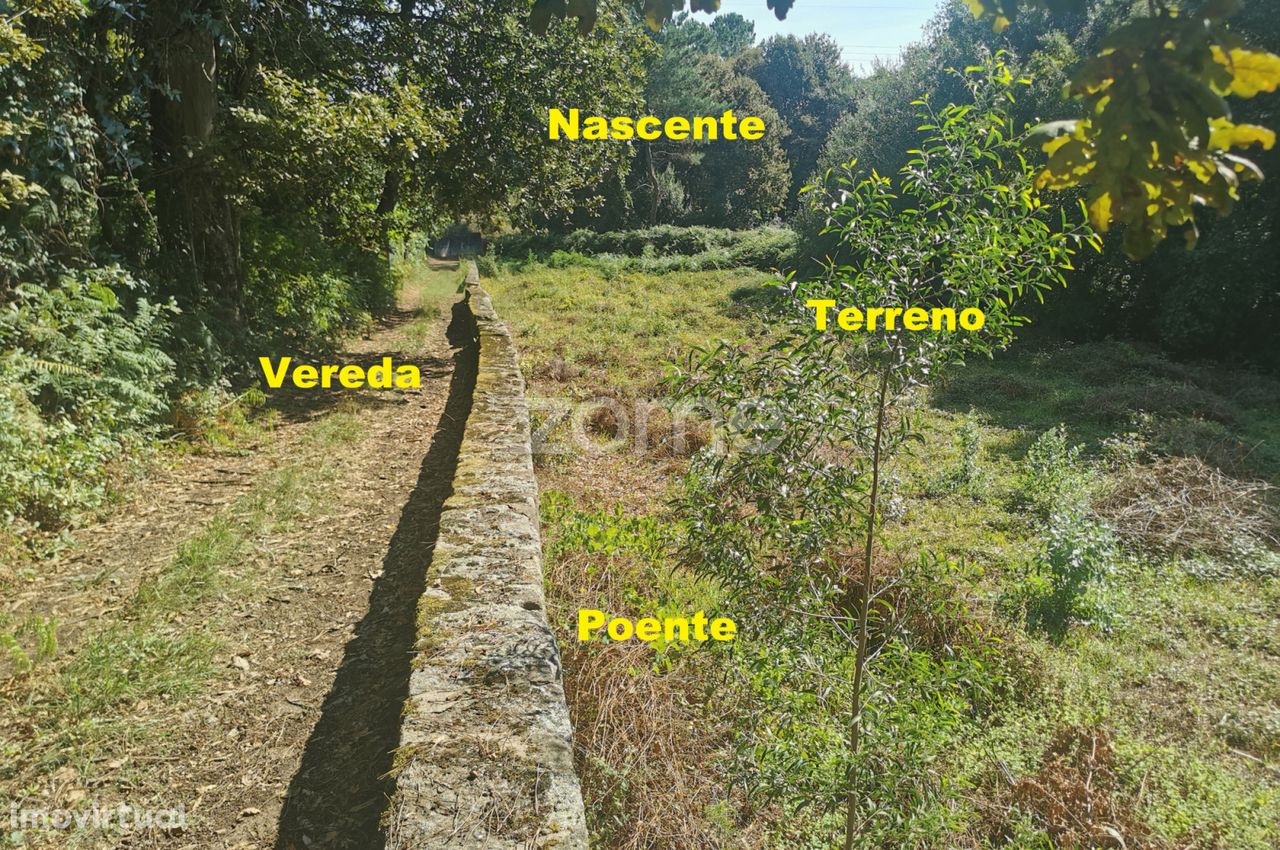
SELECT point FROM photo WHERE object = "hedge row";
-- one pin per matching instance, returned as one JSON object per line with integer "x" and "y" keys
{"x": 764, "y": 248}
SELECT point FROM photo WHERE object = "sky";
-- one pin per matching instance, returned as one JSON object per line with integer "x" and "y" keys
{"x": 864, "y": 29}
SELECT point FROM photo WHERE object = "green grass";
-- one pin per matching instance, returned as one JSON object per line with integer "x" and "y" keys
{"x": 1097, "y": 389}
{"x": 613, "y": 337}
{"x": 615, "y": 334}
{"x": 1188, "y": 674}
{"x": 80, "y": 707}
{"x": 582, "y": 336}
{"x": 1185, "y": 673}
{"x": 428, "y": 293}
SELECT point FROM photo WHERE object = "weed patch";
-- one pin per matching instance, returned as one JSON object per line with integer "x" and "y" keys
{"x": 1075, "y": 795}
{"x": 1182, "y": 506}
{"x": 643, "y": 723}
{"x": 1108, "y": 640}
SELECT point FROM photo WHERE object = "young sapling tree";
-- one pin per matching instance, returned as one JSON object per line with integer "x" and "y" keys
{"x": 787, "y": 516}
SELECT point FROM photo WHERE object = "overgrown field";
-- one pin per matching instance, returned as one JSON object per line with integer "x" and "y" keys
{"x": 1103, "y": 604}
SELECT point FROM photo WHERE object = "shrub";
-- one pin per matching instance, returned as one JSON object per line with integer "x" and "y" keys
{"x": 302, "y": 310}
{"x": 1061, "y": 584}
{"x": 81, "y": 376}
{"x": 302, "y": 292}
{"x": 663, "y": 248}
{"x": 487, "y": 265}
{"x": 565, "y": 259}
{"x": 1064, "y": 582}
{"x": 1054, "y": 479}
{"x": 765, "y": 248}
{"x": 967, "y": 475}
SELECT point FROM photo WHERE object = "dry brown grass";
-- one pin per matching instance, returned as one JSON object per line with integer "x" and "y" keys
{"x": 646, "y": 742}
{"x": 1075, "y": 794}
{"x": 1076, "y": 797}
{"x": 1181, "y": 505}
{"x": 643, "y": 751}
{"x": 669, "y": 437}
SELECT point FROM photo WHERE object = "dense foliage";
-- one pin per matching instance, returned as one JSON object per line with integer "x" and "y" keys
{"x": 1209, "y": 302}
{"x": 1156, "y": 141}
{"x": 1217, "y": 300}
{"x": 765, "y": 248}
{"x": 696, "y": 69}
{"x": 184, "y": 187}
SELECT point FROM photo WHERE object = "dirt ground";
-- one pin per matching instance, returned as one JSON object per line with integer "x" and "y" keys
{"x": 290, "y": 743}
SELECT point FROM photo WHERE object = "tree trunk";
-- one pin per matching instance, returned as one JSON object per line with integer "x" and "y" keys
{"x": 864, "y": 611}
{"x": 653, "y": 184}
{"x": 199, "y": 227}
{"x": 390, "y": 192}
{"x": 389, "y": 198}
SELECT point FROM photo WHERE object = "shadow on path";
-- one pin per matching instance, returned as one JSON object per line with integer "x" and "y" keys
{"x": 304, "y": 405}
{"x": 337, "y": 797}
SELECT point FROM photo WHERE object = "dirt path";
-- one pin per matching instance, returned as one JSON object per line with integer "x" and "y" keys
{"x": 294, "y": 634}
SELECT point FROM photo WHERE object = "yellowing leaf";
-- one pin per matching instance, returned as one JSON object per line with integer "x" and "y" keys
{"x": 1100, "y": 212}
{"x": 1252, "y": 71}
{"x": 1072, "y": 176}
{"x": 1001, "y": 23}
{"x": 975, "y": 7}
{"x": 1204, "y": 171}
{"x": 1053, "y": 144}
{"x": 1223, "y": 135}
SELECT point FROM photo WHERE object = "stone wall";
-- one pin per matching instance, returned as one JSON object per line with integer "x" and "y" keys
{"x": 485, "y": 758}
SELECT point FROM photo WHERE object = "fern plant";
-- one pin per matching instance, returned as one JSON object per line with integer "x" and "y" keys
{"x": 82, "y": 375}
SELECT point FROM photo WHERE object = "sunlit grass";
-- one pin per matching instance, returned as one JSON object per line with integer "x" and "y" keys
{"x": 616, "y": 333}
{"x": 1186, "y": 675}
{"x": 115, "y": 685}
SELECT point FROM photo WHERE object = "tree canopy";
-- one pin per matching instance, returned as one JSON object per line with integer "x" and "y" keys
{"x": 1157, "y": 140}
